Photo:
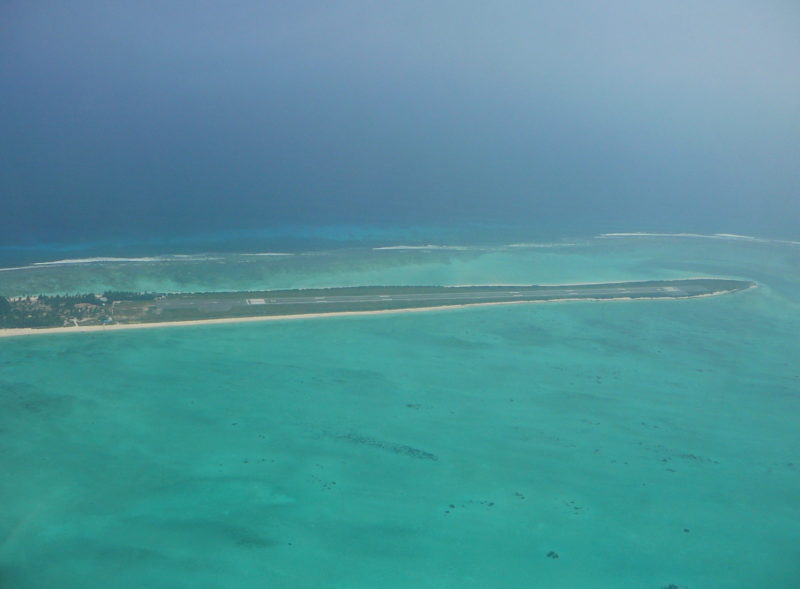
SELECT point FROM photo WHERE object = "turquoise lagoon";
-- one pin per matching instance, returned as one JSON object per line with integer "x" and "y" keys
{"x": 644, "y": 443}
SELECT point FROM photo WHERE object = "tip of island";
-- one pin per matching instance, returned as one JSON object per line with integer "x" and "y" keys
{"x": 28, "y": 315}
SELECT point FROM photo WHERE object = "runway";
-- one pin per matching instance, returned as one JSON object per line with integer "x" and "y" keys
{"x": 152, "y": 309}
{"x": 522, "y": 293}
{"x": 320, "y": 300}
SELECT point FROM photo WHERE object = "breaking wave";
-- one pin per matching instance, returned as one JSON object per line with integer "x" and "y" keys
{"x": 724, "y": 236}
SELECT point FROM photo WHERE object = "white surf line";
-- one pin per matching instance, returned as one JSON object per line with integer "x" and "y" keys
{"x": 429, "y": 247}
{"x": 535, "y": 245}
{"x": 113, "y": 260}
{"x": 20, "y": 268}
{"x": 721, "y": 236}
{"x": 267, "y": 254}
{"x": 94, "y": 261}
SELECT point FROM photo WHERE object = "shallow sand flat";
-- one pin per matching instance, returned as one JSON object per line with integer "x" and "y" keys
{"x": 329, "y": 453}
{"x": 179, "y": 456}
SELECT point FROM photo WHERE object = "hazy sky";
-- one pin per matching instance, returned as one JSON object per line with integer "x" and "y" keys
{"x": 144, "y": 117}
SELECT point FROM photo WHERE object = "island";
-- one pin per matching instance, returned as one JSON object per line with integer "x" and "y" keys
{"x": 114, "y": 309}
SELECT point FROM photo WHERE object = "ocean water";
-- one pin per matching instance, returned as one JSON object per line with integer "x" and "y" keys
{"x": 646, "y": 444}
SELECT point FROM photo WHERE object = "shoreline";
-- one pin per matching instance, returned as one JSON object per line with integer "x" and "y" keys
{"x": 27, "y": 331}
{"x": 561, "y": 284}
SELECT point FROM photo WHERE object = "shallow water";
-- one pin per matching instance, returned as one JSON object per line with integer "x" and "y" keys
{"x": 645, "y": 443}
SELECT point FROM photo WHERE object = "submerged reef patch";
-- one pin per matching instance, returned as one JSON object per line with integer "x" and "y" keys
{"x": 388, "y": 446}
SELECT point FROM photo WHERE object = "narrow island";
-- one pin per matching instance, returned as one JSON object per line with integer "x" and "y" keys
{"x": 117, "y": 310}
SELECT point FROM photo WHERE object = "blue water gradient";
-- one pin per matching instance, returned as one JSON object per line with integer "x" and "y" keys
{"x": 646, "y": 444}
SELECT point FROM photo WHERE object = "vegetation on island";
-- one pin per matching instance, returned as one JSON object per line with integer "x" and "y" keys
{"x": 64, "y": 310}
{"x": 122, "y": 295}
{"x": 5, "y": 307}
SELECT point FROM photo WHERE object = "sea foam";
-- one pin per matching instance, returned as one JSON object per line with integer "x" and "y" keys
{"x": 425, "y": 247}
{"x": 725, "y": 236}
